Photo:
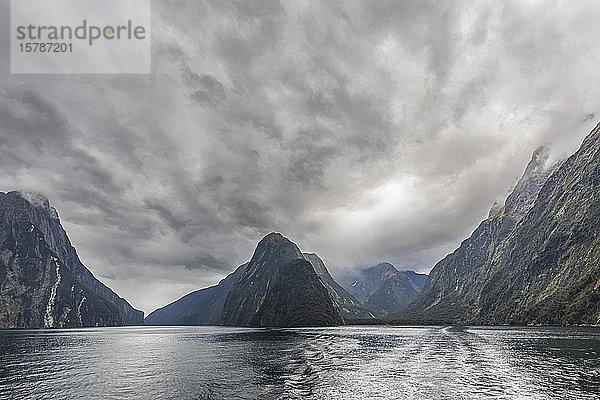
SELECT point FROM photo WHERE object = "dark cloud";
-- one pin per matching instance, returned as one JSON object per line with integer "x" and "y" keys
{"x": 365, "y": 131}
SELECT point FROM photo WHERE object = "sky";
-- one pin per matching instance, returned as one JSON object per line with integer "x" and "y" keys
{"x": 364, "y": 131}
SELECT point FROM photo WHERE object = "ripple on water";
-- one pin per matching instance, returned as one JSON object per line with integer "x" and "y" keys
{"x": 346, "y": 362}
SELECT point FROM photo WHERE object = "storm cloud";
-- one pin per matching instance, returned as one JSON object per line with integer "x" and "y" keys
{"x": 364, "y": 131}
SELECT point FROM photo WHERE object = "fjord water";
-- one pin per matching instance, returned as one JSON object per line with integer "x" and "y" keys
{"x": 323, "y": 363}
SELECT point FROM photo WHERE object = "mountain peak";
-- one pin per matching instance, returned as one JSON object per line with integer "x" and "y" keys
{"x": 525, "y": 192}
{"x": 274, "y": 248}
{"x": 279, "y": 288}
{"x": 34, "y": 199}
{"x": 274, "y": 238}
{"x": 383, "y": 289}
{"x": 383, "y": 268}
{"x": 520, "y": 201}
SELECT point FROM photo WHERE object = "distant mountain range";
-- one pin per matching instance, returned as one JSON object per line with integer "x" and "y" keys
{"x": 44, "y": 284}
{"x": 349, "y": 306}
{"x": 280, "y": 286}
{"x": 383, "y": 289}
{"x": 42, "y": 281}
{"x": 534, "y": 261}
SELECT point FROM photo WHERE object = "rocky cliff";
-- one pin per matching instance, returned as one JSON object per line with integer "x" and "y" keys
{"x": 279, "y": 288}
{"x": 536, "y": 261}
{"x": 40, "y": 268}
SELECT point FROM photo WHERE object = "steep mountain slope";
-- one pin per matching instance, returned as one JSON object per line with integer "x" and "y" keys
{"x": 548, "y": 270}
{"x": 25, "y": 273}
{"x": 205, "y": 306}
{"x": 383, "y": 289}
{"x": 296, "y": 298}
{"x": 541, "y": 268}
{"x": 202, "y": 307}
{"x": 279, "y": 288}
{"x": 349, "y": 306}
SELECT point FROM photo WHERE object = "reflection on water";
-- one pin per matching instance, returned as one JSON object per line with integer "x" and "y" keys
{"x": 323, "y": 363}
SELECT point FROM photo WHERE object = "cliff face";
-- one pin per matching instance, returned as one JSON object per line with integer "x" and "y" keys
{"x": 536, "y": 261}
{"x": 279, "y": 288}
{"x": 37, "y": 290}
{"x": 38, "y": 263}
{"x": 296, "y": 298}
{"x": 548, "y": 270}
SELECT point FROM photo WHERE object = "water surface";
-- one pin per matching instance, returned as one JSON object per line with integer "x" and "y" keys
{"x": 324, "y": 363}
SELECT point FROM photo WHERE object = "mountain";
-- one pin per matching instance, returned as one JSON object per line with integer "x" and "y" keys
{"x": 454, "y": 282}
{"x": 383, "y": 289}
{"x": 42, "y": 281}
{"x": 205, "y": 306}
{"x": 349, "y": 306}
{"x": 279, "y": 288}
{"x": 536, "y": 261}
{"x": 202, "y": 307}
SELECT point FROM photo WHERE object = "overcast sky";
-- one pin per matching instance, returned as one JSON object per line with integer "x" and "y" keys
{"x": 363, "y": 130}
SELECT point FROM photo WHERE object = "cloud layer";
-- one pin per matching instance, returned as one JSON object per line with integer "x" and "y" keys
{"x": 365, "y": 131}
